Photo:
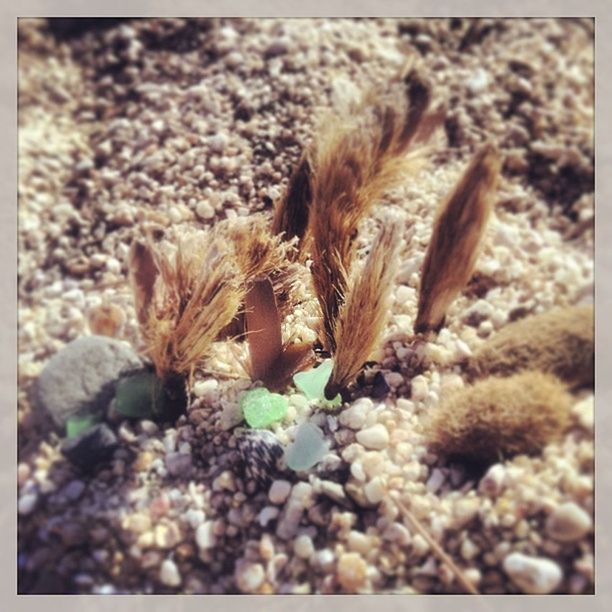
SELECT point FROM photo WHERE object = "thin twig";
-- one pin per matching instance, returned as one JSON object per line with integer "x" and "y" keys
{"x": 437, "y": 549}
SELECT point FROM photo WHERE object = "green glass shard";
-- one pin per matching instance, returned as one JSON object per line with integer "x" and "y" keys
{"x": 332, "y": 403}
{"x": 312, "y": 383}
{"x": 308, "y": 448}
{"x": 137, "y": 394}
{"x": 79, "y": 423}
{"x": 262, "y": 408}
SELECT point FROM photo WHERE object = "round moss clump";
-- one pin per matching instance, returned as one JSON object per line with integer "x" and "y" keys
{"x": 561, "y": 342}
{"x": 500, "y": 417}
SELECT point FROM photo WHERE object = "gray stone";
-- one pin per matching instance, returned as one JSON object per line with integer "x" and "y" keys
{"x": 81, "y": 378}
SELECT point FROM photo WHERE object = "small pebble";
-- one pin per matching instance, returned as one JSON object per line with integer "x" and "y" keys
{"x": 419, "y": 388}
{"x": 492, "y": 483}
{"x": 355, "y": 415}
{"x": 375, "y": 437}
{"x": 178, "y": 464}
{"x": 205, "y": 536}
{"x": 351, "y": 571}
{"x": 374, "y": 490}
{"x": 27, "y": 503}
{"x": 74, "y": 489}
{"x": 303, "y": 546}
{"x": 169, "y": 573}
{"x": 568, "y": 522}
{"x": 533, "y": 575}
{"x": 249, "y": 576}
{"x": 279, "y": 491}
{"x": 267, "y": 514}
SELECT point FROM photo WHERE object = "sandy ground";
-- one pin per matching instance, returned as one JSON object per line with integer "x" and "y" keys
{"x": 185, "y": 123}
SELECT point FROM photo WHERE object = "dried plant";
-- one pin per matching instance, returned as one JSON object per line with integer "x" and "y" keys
{"x": 183, "y": 303}
{"x": 355, "y": 161}
{"x": 456, "y": 238}
{"x": 561, "y": 342}
{"x": 363, "y": 315}
{"x": 271, "y": 361}
{"x": 259, "y": 253}
{"x": 500, "y": 417}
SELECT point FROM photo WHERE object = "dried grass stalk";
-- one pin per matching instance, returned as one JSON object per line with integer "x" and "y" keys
{"x": 456, "y": 238}
{"x": 363, "y": 316}
{"x": 356, "y": 160}
{"x": 500, "y": 417}
{"x": 561, "y": 342}
{"x": 192, "y": 298}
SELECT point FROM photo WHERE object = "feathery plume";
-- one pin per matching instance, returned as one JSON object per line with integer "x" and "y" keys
{"x": 363, "y": 315}
{"x": 291, "y": 213}
{"x": 457, "y": 235}
{"x": 191, "y": 299}
{"x": 355, "y": 162}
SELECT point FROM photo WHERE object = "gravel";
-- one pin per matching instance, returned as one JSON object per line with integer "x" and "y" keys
{"x": 177, "y": 124}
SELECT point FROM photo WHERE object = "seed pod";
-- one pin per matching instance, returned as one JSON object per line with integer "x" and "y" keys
{"x": 560, "y": 342}
{"x": 500, "y": 417}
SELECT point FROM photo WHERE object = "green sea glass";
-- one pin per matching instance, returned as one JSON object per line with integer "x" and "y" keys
{"x": 136, "y": 395}
{"x": 308, "y": 448}
{"x": 262, "y": 408}
{"x": 312, "y": 383}
{"x": 79, "y": 423}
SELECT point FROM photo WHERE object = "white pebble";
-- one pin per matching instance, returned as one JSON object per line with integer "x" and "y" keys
{"x": 394, "y": 379}
{"x": 404, "y": 294}
{"x": 478, "y": 81}
{"x": 533, "y": 575}
{"x": 204, "y": 210}
{"x": 436, "y": 480}
{"x": 355, "y": 415}
{"x": 419, "y": 388}
{"x": 169, "y": 573}
{"x": 205, "y": 537}
{"x": 324, "y": 559}
{"x": 568, "y": 522}
{"x": 279, "y": 491}
{"x": 27, "y": 503}
{"x": 375, "y": 437}
{"x": 267, "y": 514}
{"x": 195, "y": 517}
{"x": 374, "y": 490}
{"x": 492, "y": 483}
{"x": 206, "y": 388}
{"x": 249, "y": 576}
{"x": 303, "y": 546}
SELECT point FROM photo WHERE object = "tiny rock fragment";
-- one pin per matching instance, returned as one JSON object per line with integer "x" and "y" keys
{"x": 351, "y": 571}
